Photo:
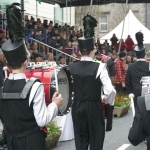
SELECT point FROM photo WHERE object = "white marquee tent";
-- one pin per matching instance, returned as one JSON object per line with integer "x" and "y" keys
{"x": 131, "y": 26}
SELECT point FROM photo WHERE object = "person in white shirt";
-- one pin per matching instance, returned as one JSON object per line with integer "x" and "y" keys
{"x": 22, "y": 105}
{"x": 91, "y": 82}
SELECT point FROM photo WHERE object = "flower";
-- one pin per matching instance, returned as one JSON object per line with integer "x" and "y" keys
{"x": 121, "y": 100}
{"x": 118, "y": 99}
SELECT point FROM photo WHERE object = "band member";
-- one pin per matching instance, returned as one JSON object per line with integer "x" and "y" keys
{"x": 22, "y": 105}
{"x": 140, "y": 130}
{"x": 89, "y": 77}
{"x": 137, "y": 70}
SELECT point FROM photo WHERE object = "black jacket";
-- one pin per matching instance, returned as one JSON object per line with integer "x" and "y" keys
{"x": 135, "y": 72}
{"x": 86, "y": 87}
{"x": 111, "y": 67}
{"x": 18, "y": 117}
{"x": 140, "y": 129}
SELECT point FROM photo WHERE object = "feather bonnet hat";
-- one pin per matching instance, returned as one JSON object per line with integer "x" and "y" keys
{"x": 87, "y": 42}
{"x": 140, "y": 48}
{"x": 14, "y": 48}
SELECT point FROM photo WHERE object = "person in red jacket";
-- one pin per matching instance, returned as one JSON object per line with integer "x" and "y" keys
{"x": 123, "y": 46}
{"x": 130, "y": 44}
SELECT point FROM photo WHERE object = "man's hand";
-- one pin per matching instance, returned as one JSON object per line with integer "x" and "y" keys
{"x": 57, "y": 99}
{"x": 104, "y": 101}
{"x": 123, "y": 85}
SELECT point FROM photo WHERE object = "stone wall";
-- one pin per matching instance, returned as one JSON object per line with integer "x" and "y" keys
{"x": 148, "y": 16}
{"x": 115, "y": 14}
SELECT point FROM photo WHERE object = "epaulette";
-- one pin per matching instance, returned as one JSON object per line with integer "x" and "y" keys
{"x": 24, "y": 92}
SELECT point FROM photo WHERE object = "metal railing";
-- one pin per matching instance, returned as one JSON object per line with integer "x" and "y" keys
{"x": 3, "y": 19}
{"x": 42, "y": 18}
{"x": 53, "y": 49}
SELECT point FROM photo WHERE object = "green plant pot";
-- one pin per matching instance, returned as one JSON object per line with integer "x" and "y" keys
{"x": 52, "y": 141}
{"x": 121, "y": 111}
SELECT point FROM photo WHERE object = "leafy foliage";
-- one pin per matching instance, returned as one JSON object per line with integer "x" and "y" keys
{"x": 121, "y": 100}
{"x": 52, "y": 128}
{"x": 89, "y": 24}
{"x": 15, "y": 23}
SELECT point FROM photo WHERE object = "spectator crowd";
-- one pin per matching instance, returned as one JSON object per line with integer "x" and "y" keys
{"x": 65, "y": 39}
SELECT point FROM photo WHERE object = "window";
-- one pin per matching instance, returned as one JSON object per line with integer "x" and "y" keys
{"x": 3, "y": 7}
{"x": 103, "y": 24}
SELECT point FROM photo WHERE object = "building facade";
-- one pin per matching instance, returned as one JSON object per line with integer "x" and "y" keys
{"x": 43, "y": 11}
{"x": 111, "y": 15}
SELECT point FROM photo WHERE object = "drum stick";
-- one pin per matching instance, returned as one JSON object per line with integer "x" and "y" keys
{"x": 131, "y": 96}
{"x": 5, "y": 69}
{"x": 56, "y": 81}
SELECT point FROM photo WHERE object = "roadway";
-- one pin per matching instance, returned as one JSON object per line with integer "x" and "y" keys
{"x": 117, "y": 139}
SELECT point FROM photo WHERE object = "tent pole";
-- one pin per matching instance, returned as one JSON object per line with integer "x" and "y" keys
{"x": 123, "y": 26}
{"x": 146, "y": 14}
{"x": 36, "y": 9}
{"x": 67, "y": 38}
{"x": 70, "y": 12}
{"x": 91, "y": 6}
{"x": 66, "y": 11}
{"x": 22, "y": 7}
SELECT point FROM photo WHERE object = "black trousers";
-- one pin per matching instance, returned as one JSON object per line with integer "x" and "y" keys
{"x": 89, "y": 126}
{"x": 119, "y": 88}
{"x": 34, "y": 141}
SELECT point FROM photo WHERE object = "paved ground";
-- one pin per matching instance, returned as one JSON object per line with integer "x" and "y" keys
{"x": 114, "y": 140}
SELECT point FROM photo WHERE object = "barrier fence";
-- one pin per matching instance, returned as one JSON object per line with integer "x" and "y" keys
{"x": 3, "y": 21}
{"x": 54, "y": 51}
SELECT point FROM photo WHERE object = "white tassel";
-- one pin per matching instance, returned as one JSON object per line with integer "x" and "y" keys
{"x": 131, "y": 96}
{"x": 5, "y": 69}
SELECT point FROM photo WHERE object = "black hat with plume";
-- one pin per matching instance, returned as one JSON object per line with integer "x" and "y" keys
{"x": 87, "y": 42}
{"x": 15, "y": 49}
{"x": 140, "y": 48}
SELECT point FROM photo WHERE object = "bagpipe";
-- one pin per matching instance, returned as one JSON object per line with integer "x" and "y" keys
{"x": 108, "y": 115}
{"x": 145, "y": 91}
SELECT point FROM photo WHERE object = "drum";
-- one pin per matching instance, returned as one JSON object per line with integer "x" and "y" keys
{"x": 65, "y": 85}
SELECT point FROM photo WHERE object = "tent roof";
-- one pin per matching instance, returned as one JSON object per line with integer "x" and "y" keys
{"x": 131, "y": 27}
{"x": 62, "y": 3}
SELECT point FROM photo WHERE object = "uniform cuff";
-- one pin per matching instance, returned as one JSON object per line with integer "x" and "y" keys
{"x": 56, "y": 107}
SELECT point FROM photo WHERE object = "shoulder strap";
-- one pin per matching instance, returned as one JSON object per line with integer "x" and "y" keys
{"x": 27, "y": 87}
{"x": 147, "y": 102}
{"x": 24, "y": 92}
{"x": 141, "y": 105}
